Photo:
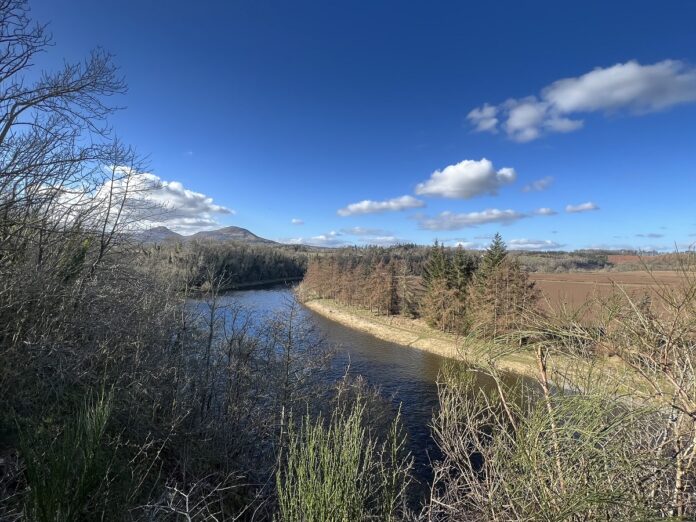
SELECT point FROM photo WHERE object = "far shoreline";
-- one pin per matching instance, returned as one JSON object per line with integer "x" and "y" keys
{"x": 415, "y": 334}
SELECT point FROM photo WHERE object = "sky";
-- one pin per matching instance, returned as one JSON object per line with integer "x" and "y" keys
{"x": 560, "y": 125}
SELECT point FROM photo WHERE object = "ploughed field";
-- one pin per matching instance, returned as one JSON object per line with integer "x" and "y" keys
{"x": 576, "y": 288}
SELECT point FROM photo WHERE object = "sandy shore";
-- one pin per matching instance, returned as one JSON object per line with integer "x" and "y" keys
{"x": 414, "y": 333}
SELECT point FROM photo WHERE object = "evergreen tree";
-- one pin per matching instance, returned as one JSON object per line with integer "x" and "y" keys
{"x": 437, "y": 265}
{"x": 494, "y": 254}
{"x": 408, "y": 305}
{"x": 500, "y": 292}
{"x": 463, "y": 268}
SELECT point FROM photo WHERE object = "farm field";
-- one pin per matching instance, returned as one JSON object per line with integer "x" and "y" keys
{"x": 576, "y": 288}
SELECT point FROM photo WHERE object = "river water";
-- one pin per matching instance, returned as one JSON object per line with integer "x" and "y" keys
{"x": 405, "y": 376}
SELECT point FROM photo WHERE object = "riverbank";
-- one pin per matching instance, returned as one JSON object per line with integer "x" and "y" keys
{"x": 414, "y": 333}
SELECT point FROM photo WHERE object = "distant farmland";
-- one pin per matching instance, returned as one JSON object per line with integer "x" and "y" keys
{"x": 576, "y": 288}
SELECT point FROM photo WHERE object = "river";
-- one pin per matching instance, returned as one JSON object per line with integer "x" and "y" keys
{"x": 405, "y": 376}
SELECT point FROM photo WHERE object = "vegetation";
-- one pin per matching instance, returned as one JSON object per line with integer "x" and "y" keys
{"x": 119, "y": 399}
{"x": 235, "y": 264}
{"x": 122, "y": 399}
{"x": 583, "y": 445}
{"x": 338, "y": 470}
{"x": 455, "y": 291}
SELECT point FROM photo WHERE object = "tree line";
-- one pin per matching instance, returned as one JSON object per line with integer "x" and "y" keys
{"x": 123, "y": 399}
{"x": 236, "y": 264}
{"x": 452, "y": 290}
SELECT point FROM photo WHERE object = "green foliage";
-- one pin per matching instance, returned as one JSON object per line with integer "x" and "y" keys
{"x": 463, "y": 269}
{"x": 67, "y": 476}
{"x": 494, "y": 254}
{"x": 235, "y": 264}
{"x": 437, "y": 267}
{"x": 337, "y": 470}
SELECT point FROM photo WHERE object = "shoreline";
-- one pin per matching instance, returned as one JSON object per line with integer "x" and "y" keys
{"x": 415, "y": 334}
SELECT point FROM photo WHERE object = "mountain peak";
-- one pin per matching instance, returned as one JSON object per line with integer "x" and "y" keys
{"x": 230, "y": 233}
{"x": 159, "y": 234}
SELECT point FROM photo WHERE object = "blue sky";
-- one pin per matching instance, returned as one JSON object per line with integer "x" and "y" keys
{"x": 298, "y": 110}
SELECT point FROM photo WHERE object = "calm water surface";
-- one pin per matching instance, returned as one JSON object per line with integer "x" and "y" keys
{"x": 404, "y": 375}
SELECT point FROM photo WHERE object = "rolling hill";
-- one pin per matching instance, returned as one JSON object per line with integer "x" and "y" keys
{"x": 241, "y": 235}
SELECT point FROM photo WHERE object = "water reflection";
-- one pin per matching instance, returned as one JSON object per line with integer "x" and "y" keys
{"x": 406, "y": 376}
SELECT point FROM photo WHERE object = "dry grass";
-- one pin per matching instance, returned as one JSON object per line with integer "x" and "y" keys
{"x": 414, "y": 333}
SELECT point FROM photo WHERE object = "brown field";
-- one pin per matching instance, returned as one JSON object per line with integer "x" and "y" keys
{"x": 617, "y": 259}
{"x": 574, "y": 289}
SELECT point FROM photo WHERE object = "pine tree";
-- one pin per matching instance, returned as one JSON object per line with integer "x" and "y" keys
{"x": 500, "y": 292}
{"x": 437, "y": 265}
{"x": 408, "y": 306}
{"x": 494, "y": 254}
{"x": 463, "y": 268}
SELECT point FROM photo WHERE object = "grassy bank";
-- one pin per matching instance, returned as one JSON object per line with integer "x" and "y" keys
{"x": 414, "y": 333}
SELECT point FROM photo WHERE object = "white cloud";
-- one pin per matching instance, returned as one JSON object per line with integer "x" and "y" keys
{"x": 484, "y": 118}
{"x": 464, "y": 243}
{"x": 533, "y": 244}
{"x": 452, "y": 221}
{"x": 363, "y": 231}
{"x": 381, "y": 240}
{"x": 466, "y": 179}
{"x": 297, "y": 221}
{"x": 582, "y": 207}
{"x": 372, "y": 236}
{"x": 329, "y": 239}
{"x": 626, "y": 86}
{"x": 538, "y": 184}
{"x": 545, "y": 211}
{"x": 651, "y": 235}
{"x": 152, "y": 201}
{"x": 368, "y": 206}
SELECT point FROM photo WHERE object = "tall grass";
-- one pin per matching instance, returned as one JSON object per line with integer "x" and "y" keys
{"x": 609, "y": 433}
{"x": 68, "y": 476}
{"x": 336, "y": 469}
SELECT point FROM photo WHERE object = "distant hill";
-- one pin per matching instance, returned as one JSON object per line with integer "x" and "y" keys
{"x": 230, "y": 234}
{"x": 242, "y": 235}
{"x": 159, "y": 235}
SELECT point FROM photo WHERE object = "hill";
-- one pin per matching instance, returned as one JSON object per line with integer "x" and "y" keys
{"x": 159, "y": 235}
{"x": 230, "y": 234}
{"x": 242, "y": 235}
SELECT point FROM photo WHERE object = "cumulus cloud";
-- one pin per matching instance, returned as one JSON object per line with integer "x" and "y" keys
{"x": 453, "y": 221}
{"x": 368, "y": 206}
{"x": 372, "y": 236}
{"x": 628, "y": 86}
{"x": 469, "y": 245}
{"x": 485, "y": 118}
{"x": 533, "y": 244}
{"x": 582, "y": 207}
{"x": 538, "y": 184}
{"x": 152, "y": 201}
{"x": 297, "y": 221}
{"x": 466, "y": 179}
{"x": 336, "y": 238}
{"x": 545, "y": 211}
